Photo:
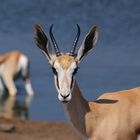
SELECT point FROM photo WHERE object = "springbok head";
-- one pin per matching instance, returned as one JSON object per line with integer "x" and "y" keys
{"x": 65, "y": 65}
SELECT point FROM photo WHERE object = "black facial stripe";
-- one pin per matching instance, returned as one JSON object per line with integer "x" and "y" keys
{"x": 73, "y": 74}
{"x": 72, "y": 82}
{"x": 55, "y": 73}
{"x": 54, "y": 70}
{"x": 75, "y": 70}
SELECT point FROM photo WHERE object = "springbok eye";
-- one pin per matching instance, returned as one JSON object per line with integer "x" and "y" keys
{"x": 75, "y": 70}
{"x": 54, "y": 70}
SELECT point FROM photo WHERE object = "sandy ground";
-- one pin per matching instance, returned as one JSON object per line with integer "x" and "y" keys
{"x": 35, "y": 130}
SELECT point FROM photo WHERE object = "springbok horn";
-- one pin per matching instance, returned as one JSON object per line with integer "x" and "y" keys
{"x": 57, "y": 51}
{"x": 72, "y": 52}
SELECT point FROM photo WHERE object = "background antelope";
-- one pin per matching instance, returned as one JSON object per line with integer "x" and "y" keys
{"x": 113, "y": 116}
{"x": 14, "y": 65}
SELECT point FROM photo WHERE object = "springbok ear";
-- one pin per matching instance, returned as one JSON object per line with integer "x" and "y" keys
{"x": 42, "y": 41}
{"x": 89, "y": 43}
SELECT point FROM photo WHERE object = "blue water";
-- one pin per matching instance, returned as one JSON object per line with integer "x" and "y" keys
{"x": 114, "y": 64}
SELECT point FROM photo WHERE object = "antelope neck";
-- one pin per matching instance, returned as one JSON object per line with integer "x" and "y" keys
{"x": 76, "y": 109}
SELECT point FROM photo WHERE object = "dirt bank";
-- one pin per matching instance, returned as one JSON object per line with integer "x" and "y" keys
{"x": 35, "y": 130}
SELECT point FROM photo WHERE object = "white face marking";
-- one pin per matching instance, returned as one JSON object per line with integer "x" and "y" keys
{"x": 64, "y": 80}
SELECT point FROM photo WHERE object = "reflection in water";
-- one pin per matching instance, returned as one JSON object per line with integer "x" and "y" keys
{"x": 13, "y": 107}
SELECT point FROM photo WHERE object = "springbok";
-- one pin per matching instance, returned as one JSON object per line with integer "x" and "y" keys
{"x": 113, "y": 116}
{"x": 14, "y": 65}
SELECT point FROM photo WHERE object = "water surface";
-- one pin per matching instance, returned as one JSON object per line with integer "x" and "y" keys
{"x": 114, "y": 64}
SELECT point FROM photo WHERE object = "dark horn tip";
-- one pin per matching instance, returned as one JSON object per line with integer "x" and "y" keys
{"x": 51, "y": 28}
{"x": 78, "y": 25}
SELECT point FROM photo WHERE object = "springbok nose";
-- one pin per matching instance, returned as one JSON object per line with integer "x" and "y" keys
{"x": 65, "y": 96}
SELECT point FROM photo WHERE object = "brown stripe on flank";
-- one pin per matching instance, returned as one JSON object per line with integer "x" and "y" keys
{"x": 14, "y": 55}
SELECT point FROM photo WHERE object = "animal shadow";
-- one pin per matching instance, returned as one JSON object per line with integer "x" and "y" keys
{"x": 106, "y": 101}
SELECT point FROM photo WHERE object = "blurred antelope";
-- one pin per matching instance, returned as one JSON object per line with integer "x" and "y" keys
{"x": 14, "y": 65}
{"x": 113, "y": 116}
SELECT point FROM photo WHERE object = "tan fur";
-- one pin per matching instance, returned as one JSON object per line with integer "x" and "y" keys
{"x": 9, "y": 64}
{"x": 14, "y": 55}
{"x": 64, "y": 60}
{"x": 113, "y": 116}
